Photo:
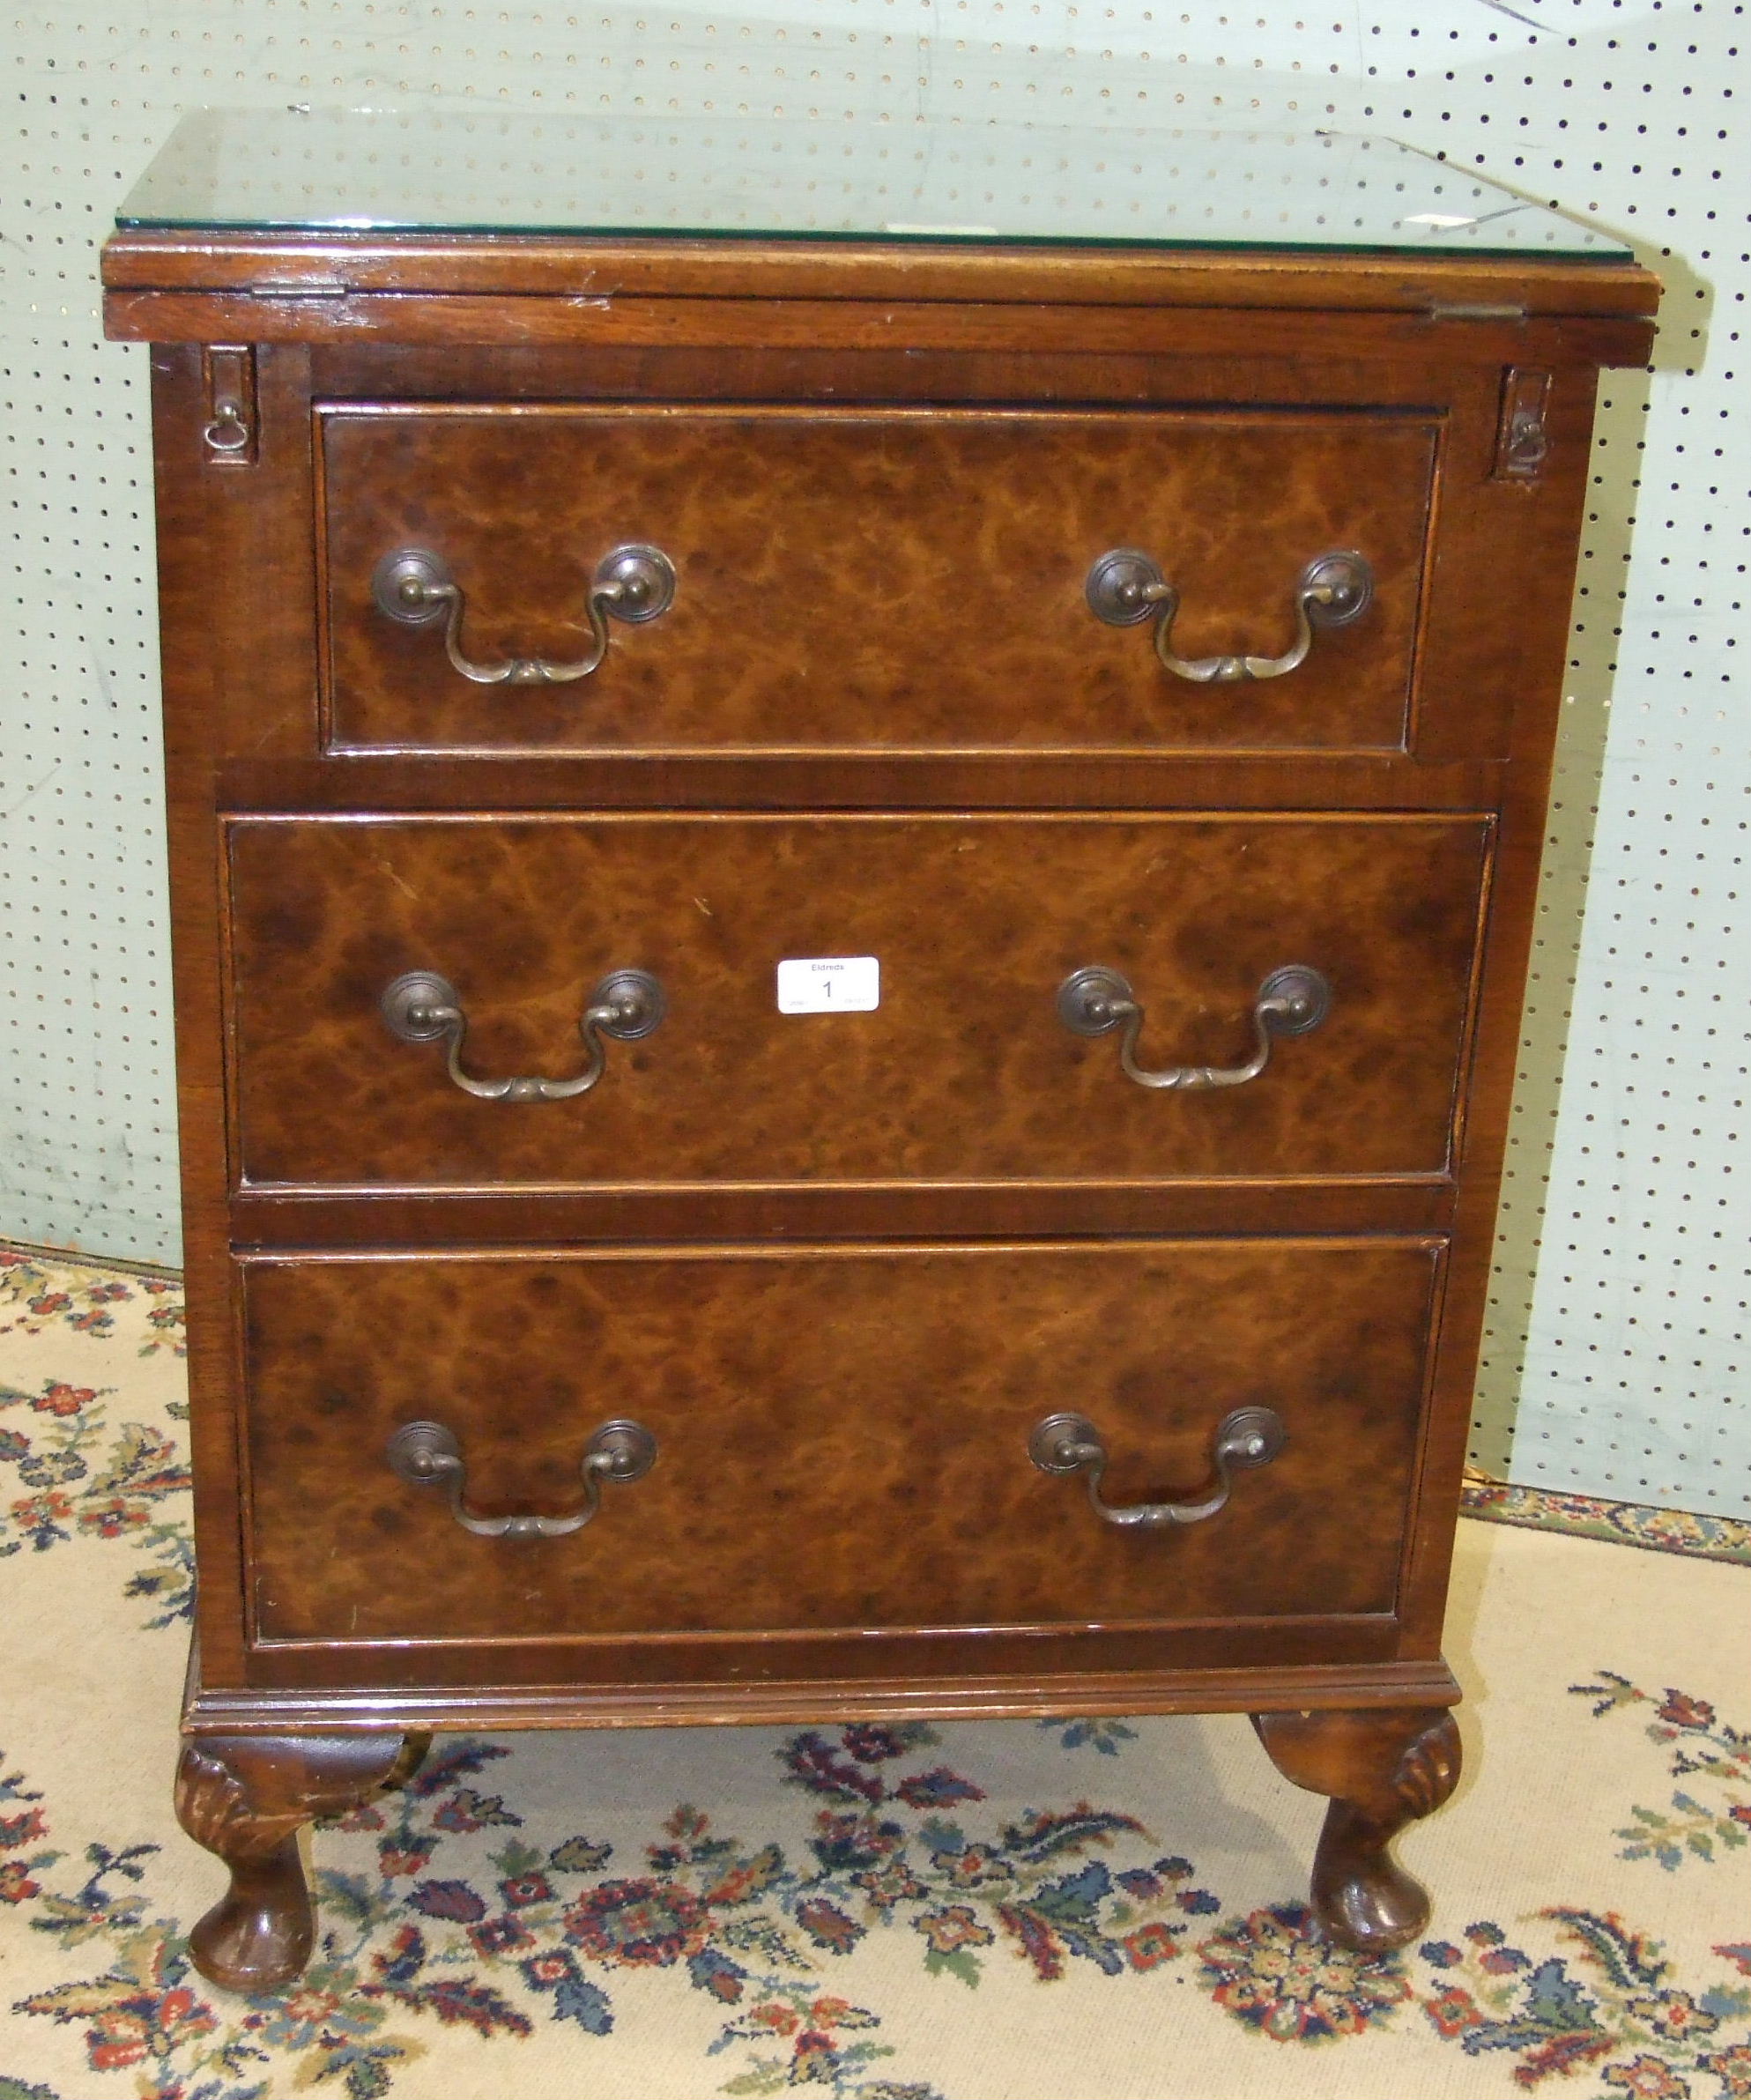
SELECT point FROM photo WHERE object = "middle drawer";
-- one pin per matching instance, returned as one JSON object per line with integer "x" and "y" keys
{"x": 980, "y": 1061}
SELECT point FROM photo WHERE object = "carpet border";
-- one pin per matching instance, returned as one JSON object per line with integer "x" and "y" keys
{"x": 1641, "y": 1524}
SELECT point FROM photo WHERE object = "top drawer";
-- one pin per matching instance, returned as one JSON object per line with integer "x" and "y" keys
{"x": 853, "y": 580}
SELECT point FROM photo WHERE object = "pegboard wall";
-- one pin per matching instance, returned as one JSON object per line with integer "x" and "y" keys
{"x": 1617, "y": 1325}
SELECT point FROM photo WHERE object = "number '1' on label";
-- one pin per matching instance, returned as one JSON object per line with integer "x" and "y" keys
{"x": 829, "y": 984}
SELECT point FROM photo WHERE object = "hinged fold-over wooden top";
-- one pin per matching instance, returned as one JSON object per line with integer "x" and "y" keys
{"x": 445, "y": 226}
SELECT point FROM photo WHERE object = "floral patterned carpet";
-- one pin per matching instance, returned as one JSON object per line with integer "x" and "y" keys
{"x": 991, "y": 1911}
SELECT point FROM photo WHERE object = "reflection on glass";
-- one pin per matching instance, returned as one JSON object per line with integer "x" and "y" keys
{"x": 436, "y": 170}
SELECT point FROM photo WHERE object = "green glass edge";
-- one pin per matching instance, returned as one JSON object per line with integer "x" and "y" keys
{"x": 803, "y": 237}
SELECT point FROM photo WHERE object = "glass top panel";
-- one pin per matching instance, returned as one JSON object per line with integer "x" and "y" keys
{"x": 448, "y": 170}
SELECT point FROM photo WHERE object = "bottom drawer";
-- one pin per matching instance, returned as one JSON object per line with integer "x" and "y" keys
{"x": 841, "y": 1438}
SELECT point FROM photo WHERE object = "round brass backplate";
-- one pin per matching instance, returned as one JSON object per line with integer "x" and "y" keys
{"x": 1086, "y": 1000}
{"x": 403, "y": 582}
{"x": 1293, "y": 1000}
{"x": 638, "y": 1001}
{"x": 1116, "y": 586}
{"x": 625, "y": 1451}
{"x": 1061, "y": 1443}
{"x": 406, "y": 1005}
{"x": 642, "y": 579}
{"x": 419, "y": 1450}
{"x": 1349, "y": 577}
{"x": 1251, "y": 1436}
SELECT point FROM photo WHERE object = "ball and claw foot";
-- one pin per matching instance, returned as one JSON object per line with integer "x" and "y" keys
{"x": 1384, "y": 1766}
{"x": 244, "y": 1796}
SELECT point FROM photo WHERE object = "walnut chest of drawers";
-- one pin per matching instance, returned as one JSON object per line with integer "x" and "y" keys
{"x": 1119, "y": 681}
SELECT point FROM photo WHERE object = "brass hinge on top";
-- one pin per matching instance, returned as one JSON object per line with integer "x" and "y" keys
{"x": 297, "y": 287}
{"x": 1459, "y": 310}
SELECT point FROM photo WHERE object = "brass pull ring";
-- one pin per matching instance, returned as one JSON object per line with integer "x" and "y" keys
{"x": 228, "y": 432}
{"x": 422, "y": 1008}
{"x": 426, "y": 1454}
{"x": 1125, "y": 587}
{"x": 415, "y": 588}
{"x": 1068, "y": 1443}
{"x": 1291, "y": 1001}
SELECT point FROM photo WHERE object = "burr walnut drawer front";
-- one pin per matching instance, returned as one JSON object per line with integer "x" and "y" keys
{"x": 449, "y": 1003}
{"x": 824, "y": 1440}
{"x": 546, "y": 577}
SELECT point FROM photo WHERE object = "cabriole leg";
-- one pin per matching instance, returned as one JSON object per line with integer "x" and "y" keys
{"x": 1384, "y": 1766}
{"x": 244, "y": 1796}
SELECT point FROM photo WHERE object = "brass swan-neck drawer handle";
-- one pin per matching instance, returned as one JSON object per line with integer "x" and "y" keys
{"x": 416, "y": 588}
{"x": 421, "y": 1008}
{"x": 1291, "y": 1001}
{"x": 1125, "y": 587}
{"x": 1067, "y": 1444}
{"x": 426, "y": 1454}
